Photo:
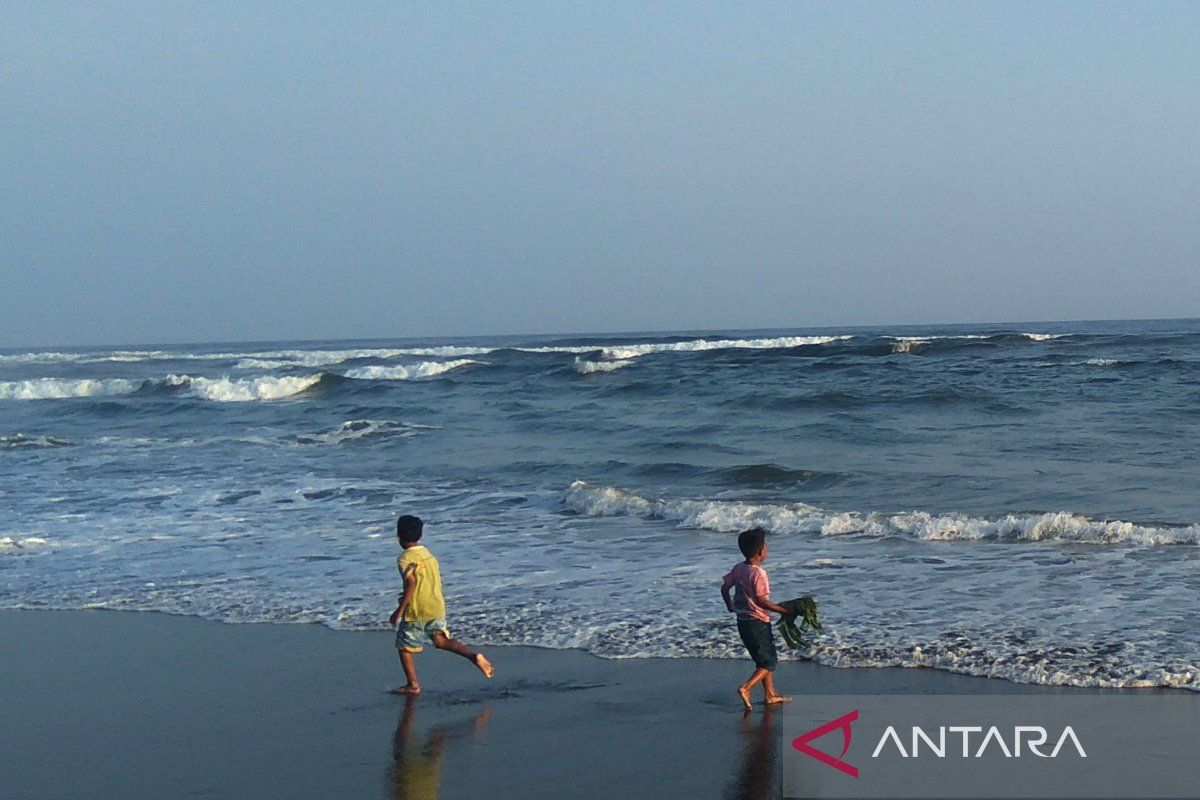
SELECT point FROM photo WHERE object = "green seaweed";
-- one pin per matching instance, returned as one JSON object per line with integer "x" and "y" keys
{"x": 801, "y": 617}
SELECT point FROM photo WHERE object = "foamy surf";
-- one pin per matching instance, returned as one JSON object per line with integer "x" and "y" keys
{"x": 619, "y": 352}
{"x": 227, "y": 390}
{"x": 358, "y": 429}
{"x": 800, "y": 518}
{"x": 61, "y": 388}
{"x": 13, "y": 544}
{"x": 19, "y": 440}
{"x": 584, "y": 367}
{"x": 408, "y": 372}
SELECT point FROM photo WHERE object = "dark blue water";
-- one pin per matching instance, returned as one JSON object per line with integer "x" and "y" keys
{"x": 1017, "y": 501}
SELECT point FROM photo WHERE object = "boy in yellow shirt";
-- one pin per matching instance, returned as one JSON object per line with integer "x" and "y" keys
{"x": 422, "y": 611}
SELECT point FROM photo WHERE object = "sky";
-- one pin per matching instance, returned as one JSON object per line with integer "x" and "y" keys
{"x": 196, "y": 172}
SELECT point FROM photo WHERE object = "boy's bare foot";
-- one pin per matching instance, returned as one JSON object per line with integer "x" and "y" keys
{"x": 776, "y": 699}
{"x": 484, "y": 665}
{"x": 744, "y": 693}
{"x": 407, "y": 689}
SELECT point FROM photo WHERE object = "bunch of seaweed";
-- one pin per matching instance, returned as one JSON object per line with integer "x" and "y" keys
{"x": 801, "y": 617}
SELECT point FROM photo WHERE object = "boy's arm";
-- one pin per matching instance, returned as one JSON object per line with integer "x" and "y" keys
{"x": 725, "y": 594}
{"x": 410, "y": 583}
{"x": 766, "y": 603}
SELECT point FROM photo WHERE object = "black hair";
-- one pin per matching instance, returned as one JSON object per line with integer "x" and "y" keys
{"x": 751, "y": 542}
{"x": 409, "y": 528}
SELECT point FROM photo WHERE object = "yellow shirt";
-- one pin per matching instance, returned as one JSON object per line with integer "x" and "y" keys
{"x": 426, "y": 602}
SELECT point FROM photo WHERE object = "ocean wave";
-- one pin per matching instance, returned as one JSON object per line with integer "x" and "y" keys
{"x": 1006, "y": 657}
{"x": 59, "y": 388}
{"x": 357, "y": 429}
{"x": 407, "y": 372}
{"x": 260, "y": 359}
{"x": 227, "y": 390}
{"x": 774, "y": 476}
{"x": 299, "y": 357}
{"x": 278, "y": 359}
{"x": 53, "y": 357}
{"x": 621, "y": 352}
{"x": 801, "y": 518}
{"x": 584, "y": 367}
{"x": 10, "y": 544}
{"x": 19, "y": 440}
{"x": 915, "y": 344}
{"x": 219, "y": 389}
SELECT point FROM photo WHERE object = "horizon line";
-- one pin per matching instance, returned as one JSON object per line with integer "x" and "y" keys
{"x": 583, "y": 334}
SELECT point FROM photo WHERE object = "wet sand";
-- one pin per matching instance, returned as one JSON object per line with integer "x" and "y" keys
{"x": 141, "y": 705}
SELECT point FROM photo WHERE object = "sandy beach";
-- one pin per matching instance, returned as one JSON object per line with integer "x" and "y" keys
{"x": 145, "y": 705}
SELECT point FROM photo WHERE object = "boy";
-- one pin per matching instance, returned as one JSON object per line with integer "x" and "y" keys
{"x": 752, "y": 603}
{"x": 422, "y": 611}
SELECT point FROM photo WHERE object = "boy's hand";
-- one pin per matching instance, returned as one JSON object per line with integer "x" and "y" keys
{"x": 395, "y": 616}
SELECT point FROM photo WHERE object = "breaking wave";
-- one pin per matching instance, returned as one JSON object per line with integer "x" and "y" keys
{"x": 226, "y": 390}
{"x": 19, "y": 440}
{"x": 408, "y": 372}
{"x": 278, "y": 359}
{"x": 584, "y": 367}
{"x": 619, "y": 352}
{"x": 801, "y": 518}
{"x": 357, "y": 429}
{"x": 299, "y": 357}
{"x": 916, "y": 344}
{"x": 59, "y": 388}
{"x": 9, "y": 544}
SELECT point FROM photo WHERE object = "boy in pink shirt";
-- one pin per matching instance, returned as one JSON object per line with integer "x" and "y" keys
{"x": 751, "y": 602}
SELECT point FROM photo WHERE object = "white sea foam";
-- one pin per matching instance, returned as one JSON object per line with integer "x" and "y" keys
{"x": 907, "y": 344}
{"x": 584, "y": 367}
{"x": 618, "y": 352}
{"x": 226, "y": 390}
{"x": 57, "y": 388}
{"x": 9, "y": 544}
{"x": 274, "y": 359}
{"x": 356, "y": 429}
{"x": 20, "y": 440}
{"x": 729, "y": 515}
{"x": 407, "y": 372}
{"x": 298, "y": 357}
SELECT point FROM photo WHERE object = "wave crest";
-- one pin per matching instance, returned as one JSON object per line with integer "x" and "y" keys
{"x": 19, "y": 440}
{"x": 620, "y": 352}
{"x": 801, "y": 518}
{"x": 408, "y": 372}
{"x": 227, "y": 390}
{"x": 584, "y": 367}
{"x": 59, "y": 388}
{"x": 357, "y": 429}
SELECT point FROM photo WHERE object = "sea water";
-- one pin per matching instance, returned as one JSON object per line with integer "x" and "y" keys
{"x": 1017, "y": 501}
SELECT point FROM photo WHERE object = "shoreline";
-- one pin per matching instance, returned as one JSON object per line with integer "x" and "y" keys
{"x": 146, "y": 704}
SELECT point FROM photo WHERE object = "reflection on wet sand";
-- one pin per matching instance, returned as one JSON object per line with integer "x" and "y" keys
{"x": 416, "y": 769}
{"x": 757, "y": 776}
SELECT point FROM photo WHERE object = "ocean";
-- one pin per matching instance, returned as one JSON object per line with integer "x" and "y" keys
{"x": 1015, "y": 501}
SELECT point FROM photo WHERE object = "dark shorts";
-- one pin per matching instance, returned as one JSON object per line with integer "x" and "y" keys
{"x": 760, "y": 642}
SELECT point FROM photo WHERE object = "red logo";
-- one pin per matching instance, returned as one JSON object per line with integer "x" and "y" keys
{"x": 843, "y": 722}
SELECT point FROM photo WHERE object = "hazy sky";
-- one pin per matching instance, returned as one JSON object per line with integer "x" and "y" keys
{"x": 232, "y": 171}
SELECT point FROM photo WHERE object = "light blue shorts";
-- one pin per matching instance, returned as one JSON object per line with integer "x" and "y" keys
{"x": 411, "y": 634}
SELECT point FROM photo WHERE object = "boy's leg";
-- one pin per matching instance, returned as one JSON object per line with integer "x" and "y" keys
{"x": 758, "y": 675}
{"x": 410, "y": 672}
{"x": 443, "y": 642}
{"x": 772, "y": 696}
